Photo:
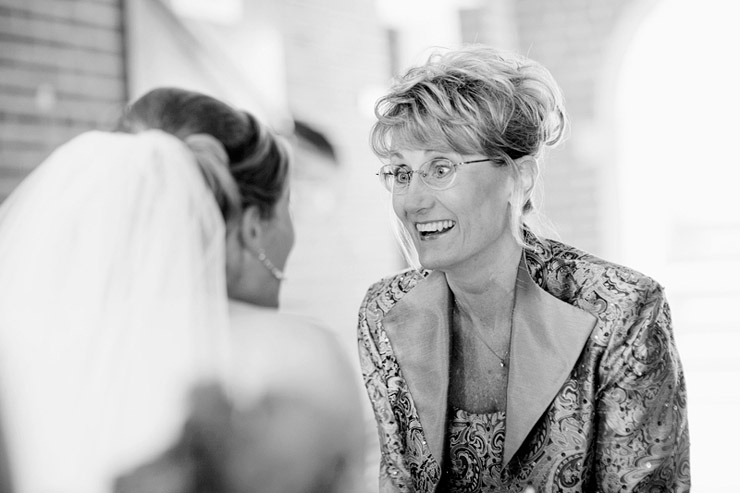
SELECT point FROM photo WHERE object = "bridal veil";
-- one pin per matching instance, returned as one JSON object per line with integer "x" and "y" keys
{"x": 112, "y": 305}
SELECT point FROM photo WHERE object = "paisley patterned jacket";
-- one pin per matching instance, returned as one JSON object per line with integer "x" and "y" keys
{"x": 596, "y": 400}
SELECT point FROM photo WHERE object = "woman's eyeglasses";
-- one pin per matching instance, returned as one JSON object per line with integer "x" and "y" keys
{"x": 437, "y": 174}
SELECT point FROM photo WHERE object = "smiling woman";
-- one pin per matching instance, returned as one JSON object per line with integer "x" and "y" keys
{"x": 504, "y": 360}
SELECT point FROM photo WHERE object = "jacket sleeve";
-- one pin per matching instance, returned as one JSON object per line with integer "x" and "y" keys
{"x": 376, "y": 373}
{"x": 642, "y": 431}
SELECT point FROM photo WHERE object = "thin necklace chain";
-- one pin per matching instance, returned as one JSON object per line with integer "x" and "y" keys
{"x": 502, "y": 361}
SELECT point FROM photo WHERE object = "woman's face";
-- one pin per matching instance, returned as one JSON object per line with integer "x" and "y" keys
{"x": 464, "y": 225}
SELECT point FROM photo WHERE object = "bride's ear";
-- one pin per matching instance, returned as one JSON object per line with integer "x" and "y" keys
{"x": 250, "y": 228}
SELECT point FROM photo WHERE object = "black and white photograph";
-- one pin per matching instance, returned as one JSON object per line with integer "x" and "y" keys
{"x": 369, "y": 246}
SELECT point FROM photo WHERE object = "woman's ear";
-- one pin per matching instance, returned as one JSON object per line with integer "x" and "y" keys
{"x": 528, "y": 173}
{"x": 250, "y": 231}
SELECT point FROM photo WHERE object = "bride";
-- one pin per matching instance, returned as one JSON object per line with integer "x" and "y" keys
{"x": 140, "y": 345}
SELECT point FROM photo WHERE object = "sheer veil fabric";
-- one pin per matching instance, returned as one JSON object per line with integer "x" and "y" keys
{"x": 112, "y": 304}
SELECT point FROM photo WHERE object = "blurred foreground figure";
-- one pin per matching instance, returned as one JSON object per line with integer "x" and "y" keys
{"x": 140, "y": 346}
{"x": 505, "y": 359}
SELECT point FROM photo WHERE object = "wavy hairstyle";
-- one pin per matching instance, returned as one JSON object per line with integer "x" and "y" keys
{"x": 475, "y": 100}
{"x": 257, "y": 160}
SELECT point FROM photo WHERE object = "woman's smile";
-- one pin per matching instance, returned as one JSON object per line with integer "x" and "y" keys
{"x": 433, "y": 229}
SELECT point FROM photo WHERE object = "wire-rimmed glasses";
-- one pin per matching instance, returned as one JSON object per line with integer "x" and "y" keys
{"x": 437, "y": 174}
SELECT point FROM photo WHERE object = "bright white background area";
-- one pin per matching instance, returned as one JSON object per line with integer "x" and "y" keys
{"x": 679, "y": 215}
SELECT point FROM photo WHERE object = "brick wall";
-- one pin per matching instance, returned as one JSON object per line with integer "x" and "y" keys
{"x": 61, "y": 73}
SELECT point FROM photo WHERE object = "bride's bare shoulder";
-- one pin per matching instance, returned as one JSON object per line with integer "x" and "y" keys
{"x": 261, "y": 326}
{"x": 288, "y": 351}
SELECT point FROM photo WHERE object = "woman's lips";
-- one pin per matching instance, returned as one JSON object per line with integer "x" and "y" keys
{"x": 432, "y": 229}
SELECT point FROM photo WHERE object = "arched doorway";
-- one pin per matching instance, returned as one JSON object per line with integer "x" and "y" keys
{"x": 676, "y": 107}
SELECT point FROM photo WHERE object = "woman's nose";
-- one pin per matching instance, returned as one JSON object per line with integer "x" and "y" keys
{"x": 418, "y": 195}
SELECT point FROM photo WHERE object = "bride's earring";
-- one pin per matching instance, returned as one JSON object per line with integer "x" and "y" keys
{"x": 276, "y": 273}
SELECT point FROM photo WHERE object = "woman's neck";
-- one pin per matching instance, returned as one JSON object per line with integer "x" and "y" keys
{"x": 487, "y": 293}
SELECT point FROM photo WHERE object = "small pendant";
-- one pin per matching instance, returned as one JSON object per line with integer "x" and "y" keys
{"x": 503, "y": 364}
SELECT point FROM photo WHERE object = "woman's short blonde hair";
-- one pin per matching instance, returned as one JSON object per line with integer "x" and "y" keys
{"x": 475, "y": 100}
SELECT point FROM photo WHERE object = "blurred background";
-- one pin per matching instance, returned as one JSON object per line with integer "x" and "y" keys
{"x": 648, "y": 177}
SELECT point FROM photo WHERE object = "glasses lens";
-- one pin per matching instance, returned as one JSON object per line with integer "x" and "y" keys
{"x": 438, "y": 173}
{"x": 394, "y": 178}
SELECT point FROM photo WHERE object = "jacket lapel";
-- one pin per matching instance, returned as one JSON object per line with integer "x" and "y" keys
{"x": 547, "y": 338}
{"x": 418, "y": 329}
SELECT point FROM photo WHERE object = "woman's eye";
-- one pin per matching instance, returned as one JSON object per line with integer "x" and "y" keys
{"x": 440, "y": 170}
{"x": 402, "y": 176}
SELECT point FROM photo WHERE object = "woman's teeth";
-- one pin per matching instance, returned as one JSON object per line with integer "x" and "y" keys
{"x": 434, "y": 227}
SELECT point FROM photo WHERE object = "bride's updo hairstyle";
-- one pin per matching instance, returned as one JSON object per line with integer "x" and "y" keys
{"x": 243, "y": 162}
{"x": 476, "y": 100}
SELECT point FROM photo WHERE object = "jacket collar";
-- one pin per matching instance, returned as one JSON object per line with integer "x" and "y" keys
{"x": 547, "y": 338}
{"x": 418, "y": 327}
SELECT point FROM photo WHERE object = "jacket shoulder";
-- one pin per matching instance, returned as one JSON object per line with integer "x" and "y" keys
{"x": 581, "y": 278}
{"x": 385, "y": 293}
{"x": 631, "y": 307}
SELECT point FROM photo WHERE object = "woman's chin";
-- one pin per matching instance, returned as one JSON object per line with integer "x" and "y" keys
{"x": 432, "y": 263}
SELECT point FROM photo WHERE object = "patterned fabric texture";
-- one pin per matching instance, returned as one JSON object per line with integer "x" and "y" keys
{"x": 476, "y": 447}
{"x": 616, "y": 424}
